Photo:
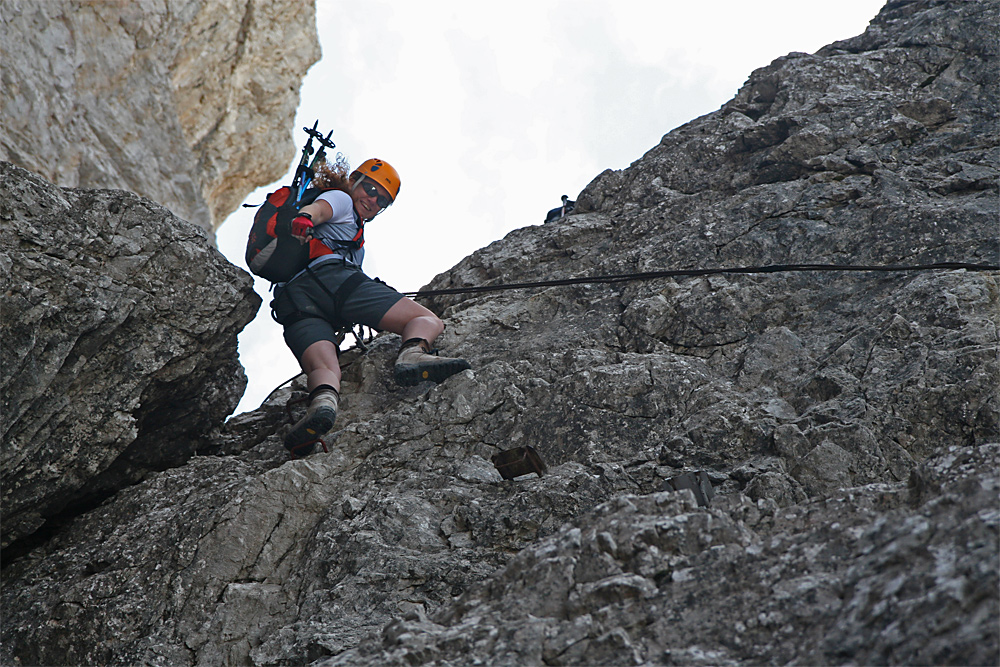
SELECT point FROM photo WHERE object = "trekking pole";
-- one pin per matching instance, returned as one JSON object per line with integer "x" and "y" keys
{"x": 324, "y": 143}
{"x": 306, "y": 169}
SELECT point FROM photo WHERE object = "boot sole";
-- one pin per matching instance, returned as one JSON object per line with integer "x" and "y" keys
{"x": 408, "y": 375}
{"x": 301, "y": 440}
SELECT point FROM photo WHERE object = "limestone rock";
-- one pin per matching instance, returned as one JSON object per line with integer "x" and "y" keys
{"x": 119, "y": 343}
{"x": 189, "y": 104}
{"x": 864, "y": 576}
{"x": 848, "y": 422}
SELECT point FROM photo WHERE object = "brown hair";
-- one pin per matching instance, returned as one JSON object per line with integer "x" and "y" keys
{"x": 336, "y": 174}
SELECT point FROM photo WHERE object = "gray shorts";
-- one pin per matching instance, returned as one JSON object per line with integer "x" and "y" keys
{"x": 311, "y": 308}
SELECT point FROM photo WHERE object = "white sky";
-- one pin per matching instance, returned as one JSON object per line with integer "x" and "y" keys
{"x": 491, "y": 111}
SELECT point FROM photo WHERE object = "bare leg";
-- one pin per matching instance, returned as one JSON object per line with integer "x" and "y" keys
{"x": 321, "y": 365}
{"x": 411, "y": 320}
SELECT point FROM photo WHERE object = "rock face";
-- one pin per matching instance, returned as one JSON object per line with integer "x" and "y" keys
{"x": 847, "y": 421}
{"x": 119, "y": 343}
{"x": 189, "y": 104}
{"x": 653, "y": 579}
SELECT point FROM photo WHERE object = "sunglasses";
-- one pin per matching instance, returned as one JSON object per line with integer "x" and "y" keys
{"x": 372, "y": 191}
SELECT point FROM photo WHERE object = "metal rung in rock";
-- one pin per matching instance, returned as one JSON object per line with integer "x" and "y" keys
{"x": 697, "y": 482}
{"x": 518, "y": 461}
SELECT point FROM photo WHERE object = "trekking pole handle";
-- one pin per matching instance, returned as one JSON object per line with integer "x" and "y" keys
{"x": 324, "y": 144}
{"x": 316, "y": 134}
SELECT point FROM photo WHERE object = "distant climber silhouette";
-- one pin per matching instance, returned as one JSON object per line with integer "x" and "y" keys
{"x": 565, "y": 209}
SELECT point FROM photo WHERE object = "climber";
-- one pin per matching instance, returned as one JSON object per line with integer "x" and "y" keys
{"x": 333, "y": 292}
{"x": 565, "y": 209}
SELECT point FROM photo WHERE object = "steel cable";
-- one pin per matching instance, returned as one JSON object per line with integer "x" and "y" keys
{"x": 649, "y": 275}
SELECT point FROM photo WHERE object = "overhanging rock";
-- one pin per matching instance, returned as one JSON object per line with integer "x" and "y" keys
{"x": 119, "y": 343}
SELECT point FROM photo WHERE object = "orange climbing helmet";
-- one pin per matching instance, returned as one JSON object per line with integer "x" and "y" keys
{"x": 382, "y": 173}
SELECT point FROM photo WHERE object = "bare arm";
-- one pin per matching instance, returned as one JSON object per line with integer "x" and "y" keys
{"x": 319, "y": 212}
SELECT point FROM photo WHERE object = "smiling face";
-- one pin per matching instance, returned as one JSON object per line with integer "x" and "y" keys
{"x": 369, "y": 198}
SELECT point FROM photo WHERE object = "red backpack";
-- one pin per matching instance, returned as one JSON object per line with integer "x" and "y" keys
{"x": 272, "y": 252}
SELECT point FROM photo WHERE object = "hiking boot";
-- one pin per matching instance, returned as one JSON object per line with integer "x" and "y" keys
{"x": 418, "y": 362}
{"x": 319, "y": 419}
